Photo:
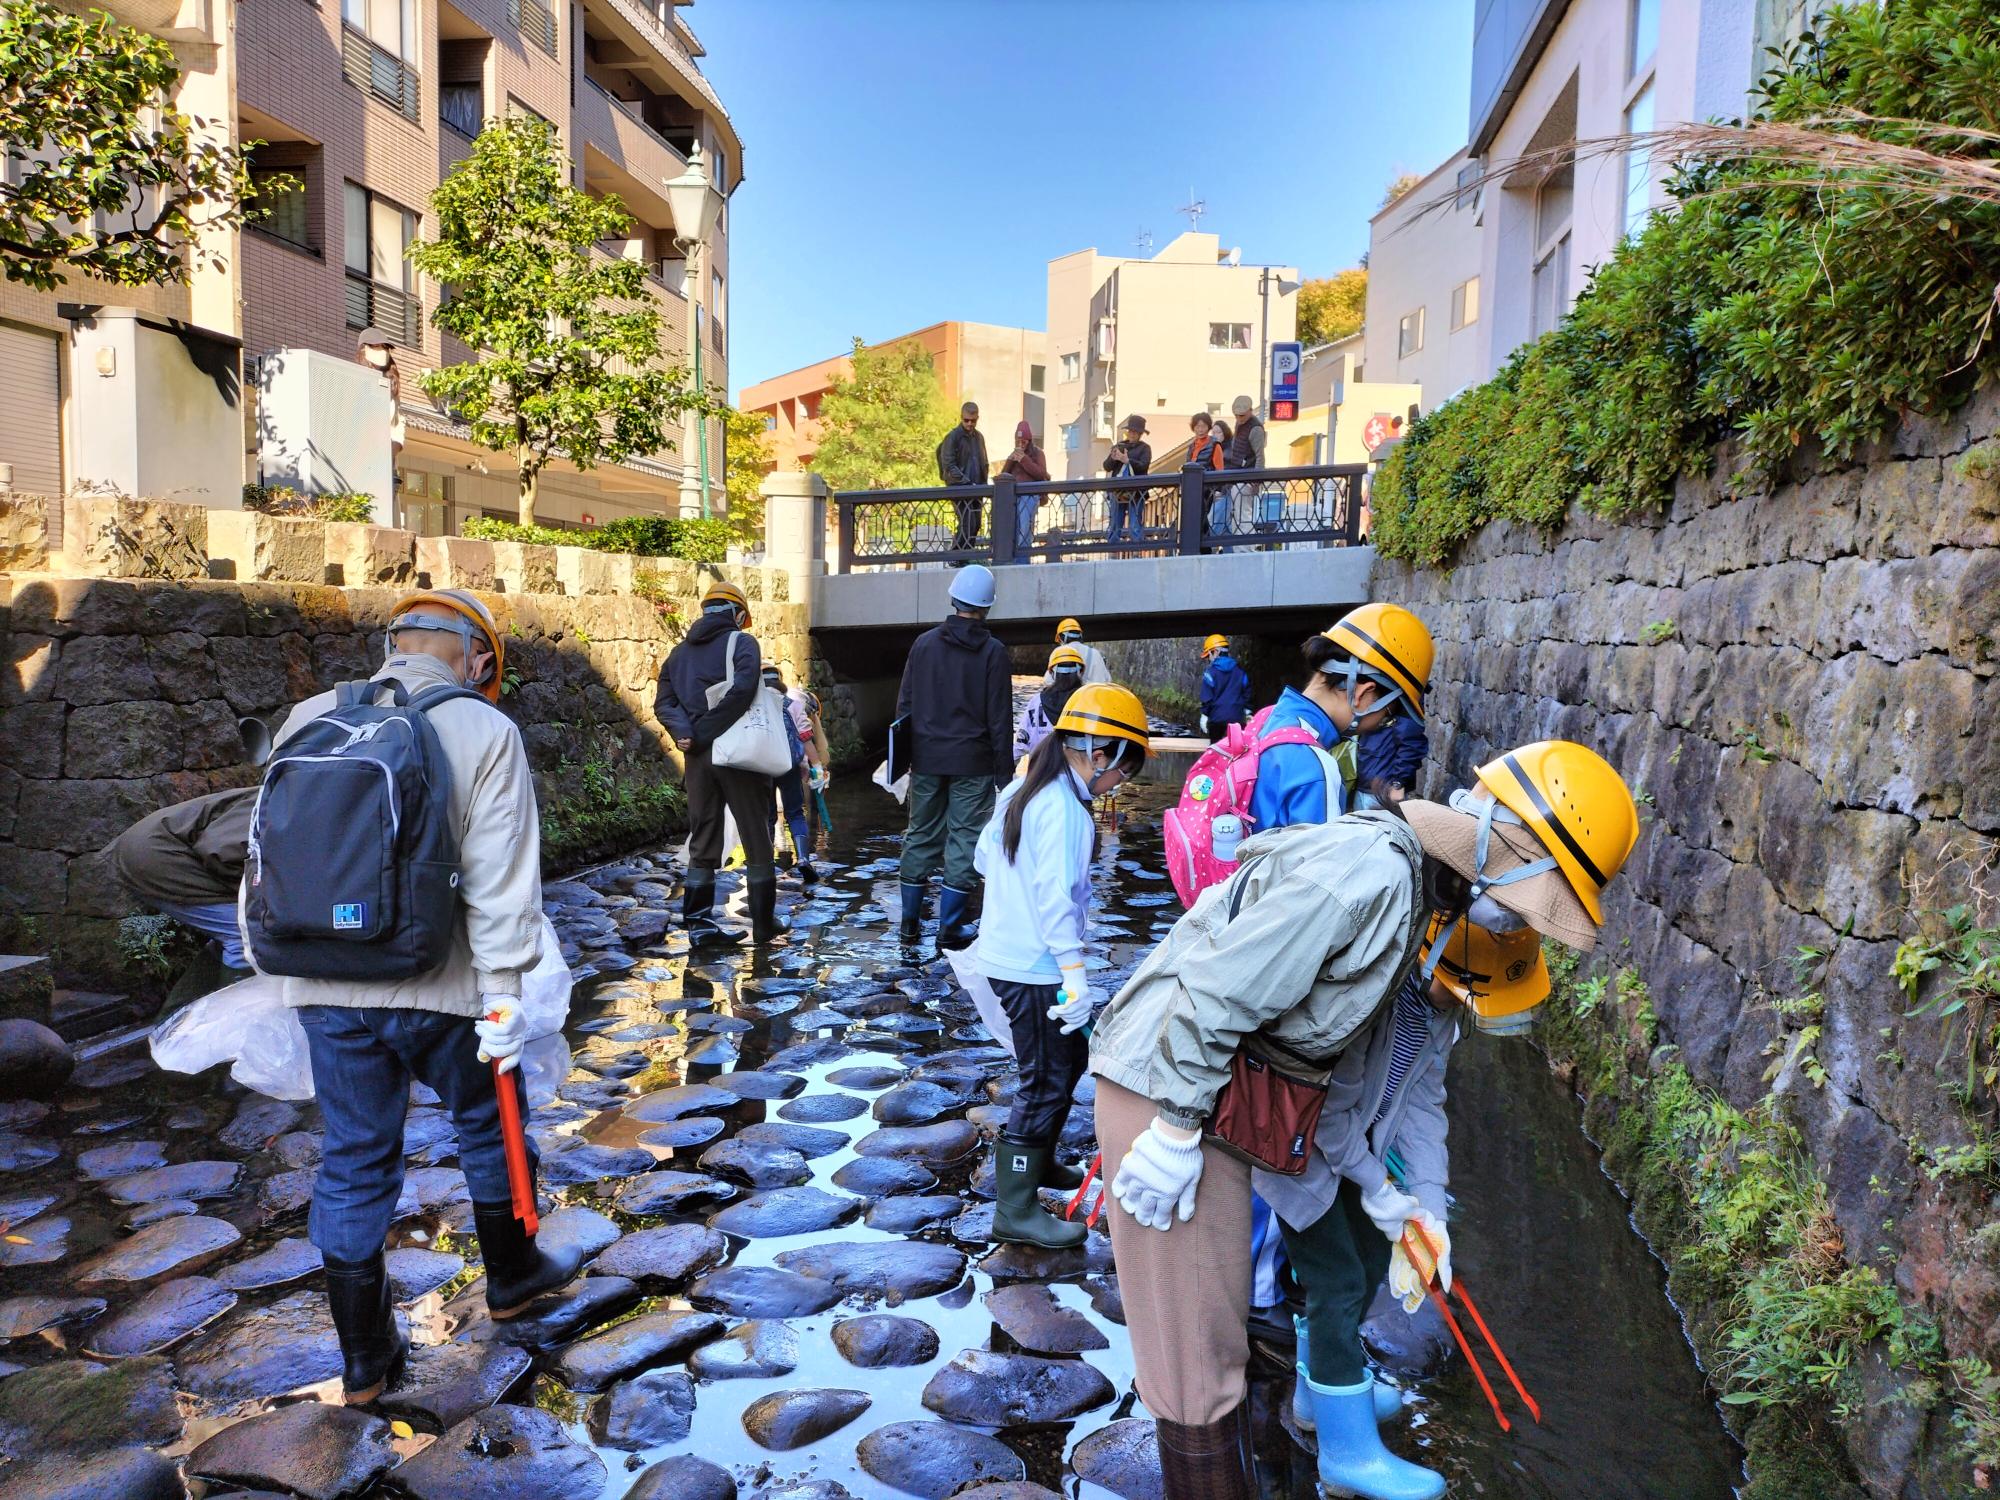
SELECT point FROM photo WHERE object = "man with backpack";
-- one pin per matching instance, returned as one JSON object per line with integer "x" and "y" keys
{"x": 1225, "y": 689}
{"x": 394, "y": 879}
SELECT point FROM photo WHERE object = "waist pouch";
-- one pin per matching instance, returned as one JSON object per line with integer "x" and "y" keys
{"x": 1268, "y": 1112}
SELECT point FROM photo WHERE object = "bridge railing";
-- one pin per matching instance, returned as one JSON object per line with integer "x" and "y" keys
{"x": 1181, "y": 514}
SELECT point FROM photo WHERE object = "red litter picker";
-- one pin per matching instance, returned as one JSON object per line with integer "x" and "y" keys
{"x": 515, "y": 1140}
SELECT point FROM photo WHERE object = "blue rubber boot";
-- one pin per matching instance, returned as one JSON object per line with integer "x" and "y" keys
{"x": 1352, "y": 1460}
{"x": 1388, "y": 1398}
{"x": 913, "y": 912}
{"x": 955, "y": 928}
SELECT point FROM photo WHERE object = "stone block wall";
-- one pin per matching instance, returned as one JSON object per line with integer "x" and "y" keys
{"x": 1801, "y": 685}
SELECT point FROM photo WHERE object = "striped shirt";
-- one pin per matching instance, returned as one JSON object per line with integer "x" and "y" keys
{"x": 1413, "y": 1017}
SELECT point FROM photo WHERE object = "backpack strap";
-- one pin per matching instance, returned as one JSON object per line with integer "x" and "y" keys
{"x": 430, "y": 698}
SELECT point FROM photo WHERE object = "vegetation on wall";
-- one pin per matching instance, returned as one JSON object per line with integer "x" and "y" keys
{"x": 295, "y": 505}
{"x": 1787, "y": 301}
{"x": 596, "y": 809}
{"x": 646, "y": 536}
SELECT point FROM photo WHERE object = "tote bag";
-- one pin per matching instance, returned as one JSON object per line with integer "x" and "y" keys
{"x": 756, "y": 741}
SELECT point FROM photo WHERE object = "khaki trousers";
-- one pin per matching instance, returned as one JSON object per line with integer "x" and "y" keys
{"x": 1186, "y": 1289}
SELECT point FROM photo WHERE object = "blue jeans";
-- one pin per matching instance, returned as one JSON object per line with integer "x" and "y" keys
{"x": 1024, "y": 525}
{"x": 1122, "y": 511}
{"x": 363, "y": 1058}
{"x": 217, "y": 921}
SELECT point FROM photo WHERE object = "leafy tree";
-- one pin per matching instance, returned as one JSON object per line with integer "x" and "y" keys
{"x": 103, "y": 176}
{"x": 1400, "y": 184}
{"x": 746, "y": 448}
{"x": 1331, "y": 307}
{"x": 880, "y": 427}
{"x": 570, "y": 341}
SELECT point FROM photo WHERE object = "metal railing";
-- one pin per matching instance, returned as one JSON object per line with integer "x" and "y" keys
{"x": 535, "y": 21}
{"x": 1180, "y": 514}
{"x": 395, "y": 312}
{"x": 374, "y": 68}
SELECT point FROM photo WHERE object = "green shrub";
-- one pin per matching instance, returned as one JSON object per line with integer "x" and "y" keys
{"x": 156, "y": 947}
{"x": 283, "y": 500}
{"x": 648, "y": 536}
{"x": 599, "y": 810}
{"x": 493, "y": 529}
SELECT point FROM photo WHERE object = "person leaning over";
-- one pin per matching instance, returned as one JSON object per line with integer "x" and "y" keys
{"x": 719, "y": 652}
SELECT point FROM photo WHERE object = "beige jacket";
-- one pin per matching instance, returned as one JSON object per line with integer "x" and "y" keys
{"x": 499, "y": 936}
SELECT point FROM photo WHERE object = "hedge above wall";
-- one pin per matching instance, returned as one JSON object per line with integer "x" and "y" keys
{"x": 1779, "y": 306}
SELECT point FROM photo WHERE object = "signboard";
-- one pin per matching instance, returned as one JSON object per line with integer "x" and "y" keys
{"x": 1375, "y": 432}
{"x": 1286, "y": 361}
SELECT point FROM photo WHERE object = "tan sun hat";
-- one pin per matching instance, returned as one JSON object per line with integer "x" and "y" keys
{"x": 1545, "y": 901}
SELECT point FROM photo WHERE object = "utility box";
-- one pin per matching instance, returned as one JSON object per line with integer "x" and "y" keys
{"x": 323, "y": 427}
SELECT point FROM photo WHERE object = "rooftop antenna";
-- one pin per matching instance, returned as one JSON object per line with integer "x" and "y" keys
{"x": 1144, "y": 241}
{"x": 1194, "y": 208}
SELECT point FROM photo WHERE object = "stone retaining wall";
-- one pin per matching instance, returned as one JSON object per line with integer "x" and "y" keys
{"x": 1801, "y": 683}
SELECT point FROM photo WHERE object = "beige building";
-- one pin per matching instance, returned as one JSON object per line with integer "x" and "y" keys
{"x": 1188, "y": 330}
{"x": 1423, "y": 312}
{"x": 1004, "y": 370}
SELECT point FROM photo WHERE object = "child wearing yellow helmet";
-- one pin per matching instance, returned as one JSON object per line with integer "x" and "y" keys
{"x": 1225, "y": 689}
{"x": 1039, "y": 716}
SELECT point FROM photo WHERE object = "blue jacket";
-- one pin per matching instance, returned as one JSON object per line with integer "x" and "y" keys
{"x": 1291, "y": 779}
{"x": 1394, "y": 751}
{"x": 1225, "y": 691}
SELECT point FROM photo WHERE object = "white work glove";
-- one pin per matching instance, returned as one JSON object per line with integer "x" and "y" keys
{"x": 817, "y": 777}
{"x": 1409, "y": 1276}
{"x": 1076, "y": 1003}
{"x": 1390, "y": 1208}
{"x": 1204, "y": 723}
{"x": 503, "y": 1030}
{"x": 1158, "y": 1176}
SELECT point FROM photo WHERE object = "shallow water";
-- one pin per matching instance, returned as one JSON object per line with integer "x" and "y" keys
{"x": 1540, "y": 1236}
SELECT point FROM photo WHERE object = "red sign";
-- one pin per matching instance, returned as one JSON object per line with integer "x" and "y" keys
{"x": 1376, "y": 432}
{"x": 1284, "y": 411}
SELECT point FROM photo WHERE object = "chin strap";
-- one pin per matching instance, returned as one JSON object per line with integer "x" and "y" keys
{"x": 1487, "y": 811}
{"x": 469, "y": 638}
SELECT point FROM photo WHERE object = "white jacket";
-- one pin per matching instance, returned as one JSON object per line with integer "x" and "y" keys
{"x": 499, "y": 933}
{"x": 1036, "y": 903}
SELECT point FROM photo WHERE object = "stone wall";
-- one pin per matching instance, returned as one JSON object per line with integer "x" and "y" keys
{"x": 1800, "y": 685}
{"x": 121, "y": 694}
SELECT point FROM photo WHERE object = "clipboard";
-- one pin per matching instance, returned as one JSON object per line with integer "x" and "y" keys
{"x": 901, "y": 744}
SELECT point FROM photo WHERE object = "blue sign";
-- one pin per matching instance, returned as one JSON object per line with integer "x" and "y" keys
{"x": 1286, "y": 362}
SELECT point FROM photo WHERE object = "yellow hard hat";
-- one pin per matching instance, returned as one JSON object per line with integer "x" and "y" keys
{"x": 1105, "y": 710}
{"x": 467, "y": 607}
{"x": 1066, "y": 656}
{"x": 1576, "y": 804}
{"x": 1392, "y": 646}
{"x": 1502, "y": 976}
{"x": 722, "y": 590}
{"x": 1214, "y": 644}
{"x": 1067, "y": 627}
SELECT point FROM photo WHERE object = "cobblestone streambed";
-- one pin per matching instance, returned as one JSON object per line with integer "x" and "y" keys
{"x": 780, "y": 1166}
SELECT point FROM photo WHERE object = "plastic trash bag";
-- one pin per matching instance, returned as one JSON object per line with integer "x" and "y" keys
{"x": 249, "y": 1026}
{"x": 991, "y": 1011}
{"x": 899, "y": 788}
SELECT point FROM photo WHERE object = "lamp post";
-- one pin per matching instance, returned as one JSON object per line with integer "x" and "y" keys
{"x": 1268, "y": 277}
{"x": 694, "y": 202}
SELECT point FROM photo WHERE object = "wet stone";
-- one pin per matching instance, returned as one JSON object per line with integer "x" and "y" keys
{"x": 866, "y": 1077}
{"x": 118, "y": 1474}
{"x": 646, "y": 1411}
{"x": 932, "y": 1145}
{"x": 760, "y": 1166}
{"x": 23, "y": 1153}
{"x": 258, "y": 1122}
{"x": 151, "y": 1213}
{"x": 733, "y": 1025}
{"x": 878, "y": 1341}
{"x": 193, "y": 1180}
{"x": 652, "y": 1339}
{"x": 822, "y": 1109}
{"x": 757, "y": 1350}
{"x": 159, "y": 1250}
{"x": 291, "y": 1259}
{"x": 505, "y": 1451}
{"x": 935, "y": 1459}
{"x": 596, "y": 1096}
{"x": 583, "y": 1228}
{"x": 551, "y": 1320}
{"x": 694, "y": 1130}
{"x": 297, "y": 1148}
{"x": 917, "y": 1104}
{"x": 309, "y": 1449}
{"x": 820, "y": 1018}
{"x": 286, "y": 1192}
{"x": 25, "y": 1206}
{"x": 1413, "y": 1344}
{"x": 794, "y": 1419}
{"x": 1106, "y": 1298}
{"x": 762, "y": 1085}
{"x": 908, "y": 1215}
{"x": 35, "y": 1062}
{"x": 683, "y": 1477}
{"x": 415, "y": 1273}
{"x": 164, "y": 1316}
{"x": 616, "y": 1065}
{"x": 24, "y": 1317}
{"x": 19, "y": 1114}
{"x": 1030, "y": 1315}
{"x": 36, "y": 1243}
{"x": 810, "y": 1141}
{"x": 576, "y": 1161}
{"x": 425, "y": 1128}
{"x": 662, "y": 1105}
{"x": 974, "y": 1226}
{"x": 1007, "y": 1490}
{"x": 446, "y": 1383}
{"x": 265, "y": 1352}
{"x": 762, "y": 1292}
{"x": 718, "y": 1051}
{"x": 898, "y": 1271}
{"x": 1013, "y": 1390}
{"x": 785, "y": 1211}
{"x": 670, "y": 1192}
{"x": 80, "y": 1406}
{"x": 670, "y": 1253}
{"x": 806, "y": 1489}
{"x": 1124, "y": 1458}
{"x": 101, "y": 1162}
{"x": 802, "y": 1055}
{"x": 1031, "y": 1263}
{"x": 879, "y": 1176}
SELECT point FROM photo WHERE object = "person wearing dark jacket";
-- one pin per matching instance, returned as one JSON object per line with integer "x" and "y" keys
{"x": 1393, "y": 753}
{"x": 961, "y": 460}
{"x": 1225, "y": 689}
{"x": 1131, "y": 455}
{"x": 1246, "y": 448}
{"x": 1027, "y": 465}
{"x": 719, "y": 652}
{"x": 957, "y": 699}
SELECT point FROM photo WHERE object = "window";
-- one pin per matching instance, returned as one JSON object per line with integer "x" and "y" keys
{"x": 535, "y": 22}
{"x": 1215, "y": 408}
{"x": 461, "y": 106}
{"x": 1229, "y": 335}
{"x": 1467, "y": 187}
{"x": 1038, "y": 377}
{"x": 1645, "y": 36}
{"x": 1104, "y": 416}
{"x": 1072, "y": 366}
{"x": 671, "y": 272}
{"x": 284, "y": 212}
{"x": 381, "y": 282}
{"x": 1107, "y": 340}
{"x": 1410, "y": 334}
{"x": 378, "y": 51}
{"x": 1072, "y": 436}
{"x": 770, "y": 421}
{"x": 1638, "y": 162}
{"x": 1549, "y": 293}
{"x": 1464, "y": 304}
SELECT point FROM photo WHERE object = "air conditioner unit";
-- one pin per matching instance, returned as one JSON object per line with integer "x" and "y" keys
{"x": 323, "y": 427}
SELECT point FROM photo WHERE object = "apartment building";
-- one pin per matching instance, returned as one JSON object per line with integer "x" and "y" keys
{"x": 1423, "y": 310}
{"x": 1186, "y": 330}
{"x": 368, "y": 103}
{"x": 1004, "y": 370}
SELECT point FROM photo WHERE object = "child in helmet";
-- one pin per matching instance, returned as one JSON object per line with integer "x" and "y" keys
{"x": 1225, "y": 689}
{"x": 1035, "y": 854}
{"x": 1039, "y": 717}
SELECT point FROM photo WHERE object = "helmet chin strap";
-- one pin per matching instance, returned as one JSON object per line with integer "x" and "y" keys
{"x": 460, "y": 628}
{"x": 1486, "y": 812}
{"x": 1350, "y": 674}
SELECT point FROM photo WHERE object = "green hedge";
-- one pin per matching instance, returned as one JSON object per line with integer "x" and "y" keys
{"x": 1766, "y": 308}
{"x": 648, "y": 536}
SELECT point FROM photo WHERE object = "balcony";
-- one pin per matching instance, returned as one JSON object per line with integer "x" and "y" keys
{"x": 396, "y": 313}
{"x": 378, "y": 71}
{"x": 652, "y": 24}
{"x": 536, "y": 23}
{"x": 624, "y": 155}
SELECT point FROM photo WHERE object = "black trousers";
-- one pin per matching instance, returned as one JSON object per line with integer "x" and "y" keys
{"x": 1051, "y": 1063}
{"x": 710, "y": 790}
{"x": 1217, "y": 728}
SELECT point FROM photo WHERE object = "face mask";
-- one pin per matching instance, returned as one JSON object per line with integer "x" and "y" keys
{"x": 1495, "y": 918}
{"x": 378, "y": 357}
{"x": 1519, "y": 1024}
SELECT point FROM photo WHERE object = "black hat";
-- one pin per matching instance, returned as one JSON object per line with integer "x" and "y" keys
{"x": 1135, "y": 423}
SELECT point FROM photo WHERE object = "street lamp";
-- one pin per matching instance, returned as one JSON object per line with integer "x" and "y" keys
{"x": 1267, "y": 278}
{"x": 694, "y": 202}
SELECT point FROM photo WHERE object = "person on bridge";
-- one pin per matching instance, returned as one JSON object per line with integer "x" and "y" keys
{"x": 707, "y": 683}
{"x": 1045, "y": 707}
{"x": 1069, "y": 633}
{"x": 1027, "y": 464}
{"x": 1132, "y": 454}
{"x": 1306, "y": 950}
{"x": 1246, "y": 448}
{"x": 1036, "y": 854}
{"x": 1225, "y": 689}
{"x": 957, "y": 698}
{"x": 961, "y": 461}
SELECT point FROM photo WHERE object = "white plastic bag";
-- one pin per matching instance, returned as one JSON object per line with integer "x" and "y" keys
{"x": 991, "y": 1011}
{"x": 899, "y": 788}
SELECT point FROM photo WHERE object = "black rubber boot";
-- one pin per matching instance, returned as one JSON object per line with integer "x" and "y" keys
{"x": 517, "y": 1269}
{"x": 697, "y": 904}
{"x": 1060, "y": 1176}
{"x": 956, "y": 928}
{"x": 1017, "y": 1214}
{"x": 912, "y": 927}
{"x": 371, "y": 1350}
{"x": 1213, "y": 1461}
{"x": 765, "y": 926}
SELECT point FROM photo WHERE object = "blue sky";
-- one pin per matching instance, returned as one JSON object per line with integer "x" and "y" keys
{"x": 910, "y": 161}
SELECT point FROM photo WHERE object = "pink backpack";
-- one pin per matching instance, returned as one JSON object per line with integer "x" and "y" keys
{"x": 1224, "y": 780}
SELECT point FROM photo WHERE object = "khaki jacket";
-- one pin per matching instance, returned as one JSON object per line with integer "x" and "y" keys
{"x": 499, "y": 934}
{"x": 1310, "y": 958}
